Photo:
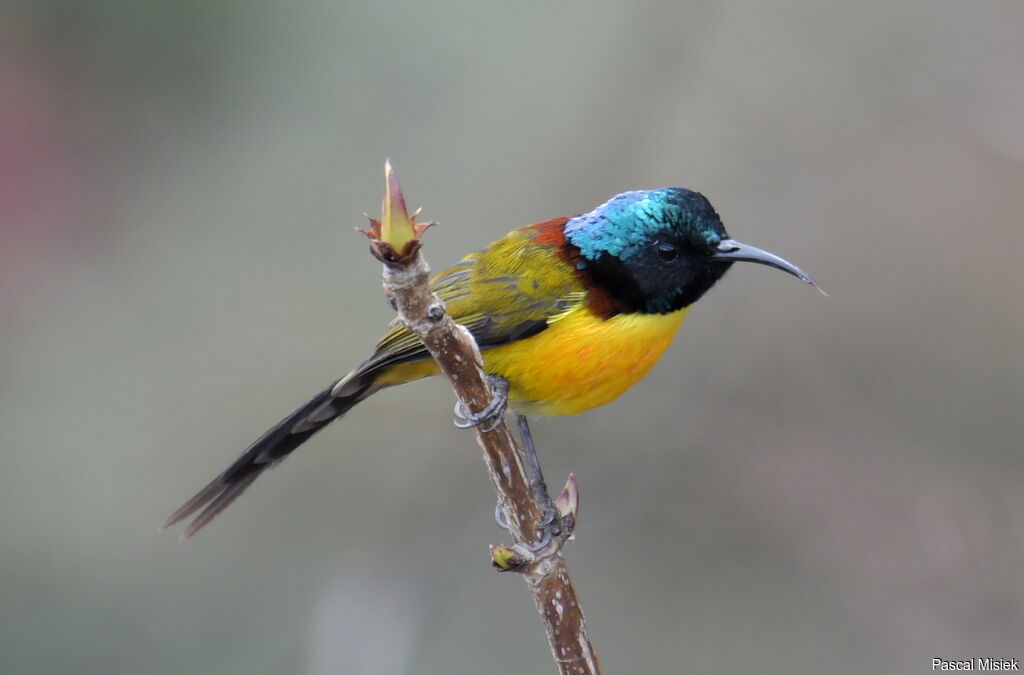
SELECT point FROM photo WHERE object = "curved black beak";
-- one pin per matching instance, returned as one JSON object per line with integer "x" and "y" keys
{"x": 730, "y": 250}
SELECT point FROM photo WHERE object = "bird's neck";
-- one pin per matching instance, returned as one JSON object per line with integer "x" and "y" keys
{"x": 615, "y": 289}
{"x": 612, "y": 288}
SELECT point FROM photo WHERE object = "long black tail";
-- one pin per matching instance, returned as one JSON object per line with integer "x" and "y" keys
{"x": 272, "y": 447}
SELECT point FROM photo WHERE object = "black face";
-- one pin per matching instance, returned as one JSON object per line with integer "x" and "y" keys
{"x": 663, "y": 276}
{"x": 667, "y": 264}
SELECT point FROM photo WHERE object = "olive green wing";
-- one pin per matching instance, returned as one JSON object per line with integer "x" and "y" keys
{"x": 512, "y": 290}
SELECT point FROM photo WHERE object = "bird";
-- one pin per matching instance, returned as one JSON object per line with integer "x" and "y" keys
{"x": 569, "y": 312}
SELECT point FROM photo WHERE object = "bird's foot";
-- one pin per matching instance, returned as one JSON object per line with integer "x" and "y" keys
{"x": 490, "y": 417}
{"x": 550, "y": 525}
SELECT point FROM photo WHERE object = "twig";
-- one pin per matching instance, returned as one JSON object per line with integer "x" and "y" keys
{"x": 395, "y": 241}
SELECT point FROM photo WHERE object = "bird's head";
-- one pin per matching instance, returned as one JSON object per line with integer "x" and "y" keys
{"x": 657, "y": 251}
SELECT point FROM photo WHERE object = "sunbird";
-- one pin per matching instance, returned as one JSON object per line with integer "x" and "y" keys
{"x": 570, "y": 312}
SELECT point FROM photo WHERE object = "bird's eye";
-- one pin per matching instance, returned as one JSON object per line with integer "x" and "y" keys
{"x": 666, "y": 251}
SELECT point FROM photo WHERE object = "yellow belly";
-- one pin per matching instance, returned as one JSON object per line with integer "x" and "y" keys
{"x": 580, "y": 362}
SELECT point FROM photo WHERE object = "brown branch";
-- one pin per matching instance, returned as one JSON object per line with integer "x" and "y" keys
{"x": 395, "y": 241}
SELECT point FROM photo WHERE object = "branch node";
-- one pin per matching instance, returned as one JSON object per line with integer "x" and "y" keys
{"x": 435, "y": 312}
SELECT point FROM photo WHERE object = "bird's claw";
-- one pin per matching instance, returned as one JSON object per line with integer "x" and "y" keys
{"x": 490, "y": 417}
{"x": 550, "y": 520}
{"x": 499, "y": 516}
{"x": 542, "y": 543}
{"x": 550, "y": 525}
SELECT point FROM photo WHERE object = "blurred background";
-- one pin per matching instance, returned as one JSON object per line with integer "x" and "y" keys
{"x": 803, "y": 485}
